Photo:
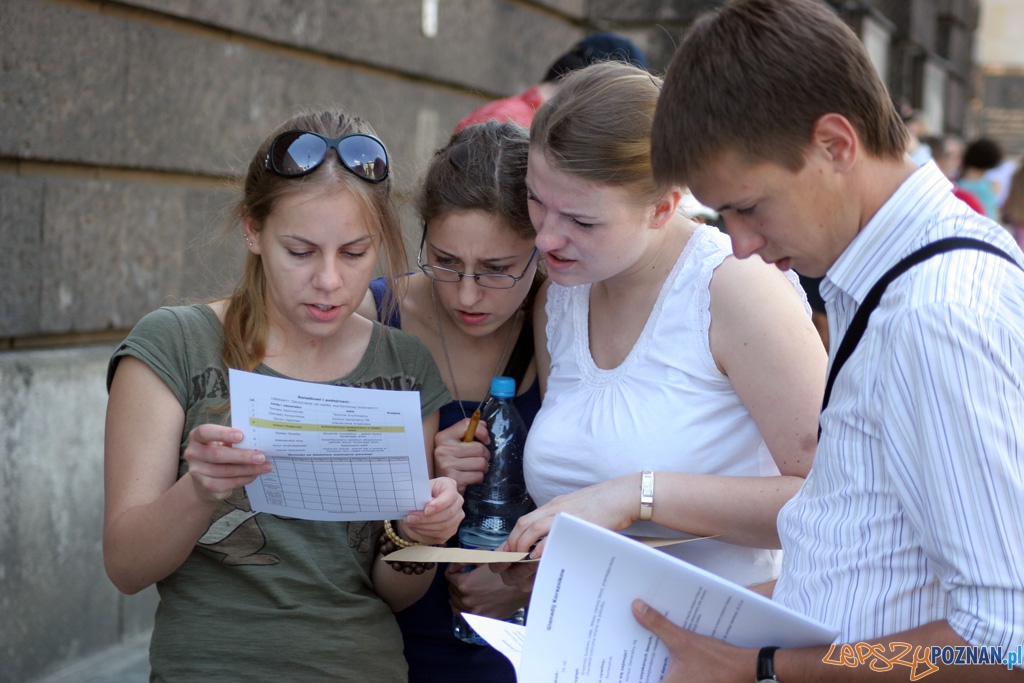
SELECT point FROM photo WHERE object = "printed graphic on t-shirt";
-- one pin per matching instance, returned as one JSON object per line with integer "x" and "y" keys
{"x": 235, "y": 533}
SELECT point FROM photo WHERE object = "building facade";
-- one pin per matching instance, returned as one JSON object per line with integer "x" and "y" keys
{"x": 998, "y": 104}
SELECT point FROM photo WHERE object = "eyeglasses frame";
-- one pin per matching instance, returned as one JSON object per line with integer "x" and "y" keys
{"x": 475, "y": 276}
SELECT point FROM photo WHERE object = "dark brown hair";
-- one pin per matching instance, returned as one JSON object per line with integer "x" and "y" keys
{"x": 983, "y": 154}
{"x": 754, "y": 78}
{"x": 245, "y": 322}
{"x": 483, "y": 168}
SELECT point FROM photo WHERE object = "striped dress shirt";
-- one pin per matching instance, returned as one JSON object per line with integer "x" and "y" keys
{"x": 914, "y": 508}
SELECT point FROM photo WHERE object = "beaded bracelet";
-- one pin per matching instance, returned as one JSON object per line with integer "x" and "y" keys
{"x": 390, "y": 541}
{"x": 395, "y": 538}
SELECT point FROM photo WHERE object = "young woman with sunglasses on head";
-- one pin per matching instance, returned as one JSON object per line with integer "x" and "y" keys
{"x": 681, "y": 384}
{"x": 470, "y": 305}
{"x": 256, "y": 597}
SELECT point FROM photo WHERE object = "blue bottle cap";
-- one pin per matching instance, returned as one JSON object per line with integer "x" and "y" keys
{"x": 503, "y": 387}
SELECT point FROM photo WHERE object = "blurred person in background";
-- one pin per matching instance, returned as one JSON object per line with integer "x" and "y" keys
{"x": 948, "y": 152}
{"x": 981, "y": 156}
{"x": 597, "y": 47}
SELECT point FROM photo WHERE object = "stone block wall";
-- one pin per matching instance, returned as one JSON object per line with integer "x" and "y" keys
{"x": 56, "y": 601}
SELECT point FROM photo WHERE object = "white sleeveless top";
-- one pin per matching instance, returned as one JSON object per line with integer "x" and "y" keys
{"x": 667, "y": 407}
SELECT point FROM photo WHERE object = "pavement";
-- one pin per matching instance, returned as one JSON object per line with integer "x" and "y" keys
{"x": 125, "y": 663}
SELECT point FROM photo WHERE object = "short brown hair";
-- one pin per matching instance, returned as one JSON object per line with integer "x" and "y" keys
{"x": 598, "y": 126}
{"x": 754, "y": 77}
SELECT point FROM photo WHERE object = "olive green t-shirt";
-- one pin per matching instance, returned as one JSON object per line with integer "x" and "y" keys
{"x": 262, "y": 597}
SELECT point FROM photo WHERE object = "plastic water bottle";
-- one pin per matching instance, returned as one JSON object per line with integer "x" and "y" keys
{"x": 493, "y": 506}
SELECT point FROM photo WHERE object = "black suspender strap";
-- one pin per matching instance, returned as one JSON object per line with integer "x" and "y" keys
{"x": 860, "y": 319}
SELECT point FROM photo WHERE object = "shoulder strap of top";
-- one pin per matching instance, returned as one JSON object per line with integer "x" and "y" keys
{"x": 384, "y": 298}
{"x": 860, "y": 319}
{"x": 522, "y": 353}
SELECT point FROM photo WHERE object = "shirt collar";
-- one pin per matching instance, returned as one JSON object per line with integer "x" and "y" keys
{"x": 893, "y": 232}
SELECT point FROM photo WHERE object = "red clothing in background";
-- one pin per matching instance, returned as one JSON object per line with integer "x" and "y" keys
{"x": 518, "y": 108}
{"x": 969, "y": 198}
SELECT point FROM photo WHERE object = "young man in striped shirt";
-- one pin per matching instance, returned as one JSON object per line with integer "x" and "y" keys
{"x": 910, "y": 527}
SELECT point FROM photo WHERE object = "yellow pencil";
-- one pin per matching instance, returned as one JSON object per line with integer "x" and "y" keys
{"x": 471, "y": 430}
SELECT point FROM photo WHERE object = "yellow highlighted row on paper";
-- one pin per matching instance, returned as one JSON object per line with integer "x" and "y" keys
{"x": 302, "y": 427}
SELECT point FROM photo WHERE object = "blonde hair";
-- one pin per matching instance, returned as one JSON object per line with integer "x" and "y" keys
{"x": 245, "y": 321}
{"x": 598, "y": 127}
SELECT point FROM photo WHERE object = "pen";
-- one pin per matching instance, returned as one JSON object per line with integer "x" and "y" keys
{"x": 471, "y": 430}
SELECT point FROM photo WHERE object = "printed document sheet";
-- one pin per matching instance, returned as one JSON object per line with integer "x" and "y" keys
{"x": 338, "y": 453}
{"x": 580, "y": 626}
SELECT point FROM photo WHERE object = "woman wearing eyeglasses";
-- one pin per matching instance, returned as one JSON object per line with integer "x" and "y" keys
{"x": 257, "y": 597}
{"x": 470, "y": 304}
{"x": 681, "y": 385}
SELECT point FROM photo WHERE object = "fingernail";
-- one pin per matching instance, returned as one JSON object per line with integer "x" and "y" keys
{"x": 258, "y": 458}
{"x": 640, "y": 606}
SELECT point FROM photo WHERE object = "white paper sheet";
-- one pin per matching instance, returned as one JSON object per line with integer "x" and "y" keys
{"x": 580, "y": 626}
{"x": 339, "y": 453}
{"x": 505, "y": 637}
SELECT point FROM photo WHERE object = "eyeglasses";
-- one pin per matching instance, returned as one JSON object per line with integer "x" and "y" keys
{"x": 298, "y": 152}
{"x": 489, "y": 280}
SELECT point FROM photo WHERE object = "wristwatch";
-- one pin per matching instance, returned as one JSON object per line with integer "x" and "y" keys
{"x": 646, "y": 495}
{"x": 766, "y": 664}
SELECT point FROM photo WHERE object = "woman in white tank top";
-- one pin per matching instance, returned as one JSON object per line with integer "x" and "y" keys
{"x": 658, "y": 352}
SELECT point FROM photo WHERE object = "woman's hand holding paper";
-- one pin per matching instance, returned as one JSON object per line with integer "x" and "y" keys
{"x": 440, "y": 517}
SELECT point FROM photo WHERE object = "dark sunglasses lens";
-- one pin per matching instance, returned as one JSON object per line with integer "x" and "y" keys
{"x": 364, "y": 156}
{"x": 297, "y": 153}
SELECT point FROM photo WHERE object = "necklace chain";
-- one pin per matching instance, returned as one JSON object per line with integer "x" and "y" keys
{"x": 447, "y": 358}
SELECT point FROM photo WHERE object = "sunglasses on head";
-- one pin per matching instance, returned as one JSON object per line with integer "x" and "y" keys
{"x": 298, "y": 152}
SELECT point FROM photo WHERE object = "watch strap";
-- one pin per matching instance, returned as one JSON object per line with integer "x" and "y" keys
{"x": 766, "y": 664}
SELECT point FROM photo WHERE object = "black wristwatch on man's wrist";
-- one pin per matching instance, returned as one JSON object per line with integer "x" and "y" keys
{"x": 766, "y": 664}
